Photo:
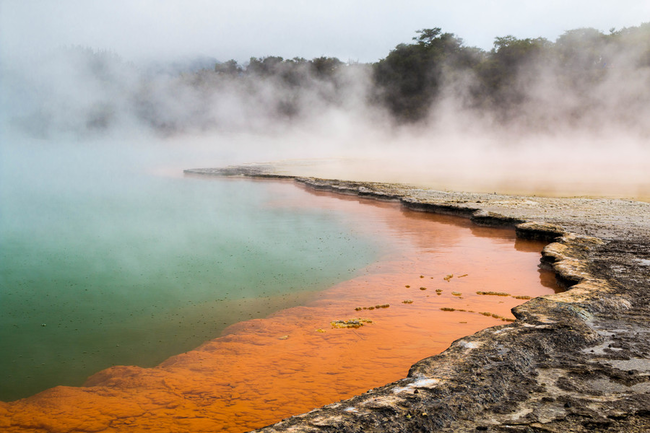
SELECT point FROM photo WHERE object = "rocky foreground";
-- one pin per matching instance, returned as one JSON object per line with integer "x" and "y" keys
{"x": 573, "y": 361}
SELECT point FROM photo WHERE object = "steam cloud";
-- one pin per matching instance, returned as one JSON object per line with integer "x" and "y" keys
{"x": 559, "y": 125}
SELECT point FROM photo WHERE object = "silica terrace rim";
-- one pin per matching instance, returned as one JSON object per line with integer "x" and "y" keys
{"x": 538, "y": 372}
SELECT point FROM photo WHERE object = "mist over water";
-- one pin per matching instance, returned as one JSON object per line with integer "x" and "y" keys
{"x": 574, "y": 123}
{"x": 103, "y": 263}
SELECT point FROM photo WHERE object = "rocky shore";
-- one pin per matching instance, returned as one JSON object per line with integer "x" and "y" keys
{"x": 573, "y": 361}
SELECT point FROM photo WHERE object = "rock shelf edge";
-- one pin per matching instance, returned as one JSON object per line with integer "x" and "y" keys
{"x": 573, "y": 361}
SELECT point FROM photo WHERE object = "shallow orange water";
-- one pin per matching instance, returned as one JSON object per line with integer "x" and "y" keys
{"x": 263, "y": 370}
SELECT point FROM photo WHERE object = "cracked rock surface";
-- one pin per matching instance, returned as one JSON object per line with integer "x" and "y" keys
{"x": 573, "y": 361}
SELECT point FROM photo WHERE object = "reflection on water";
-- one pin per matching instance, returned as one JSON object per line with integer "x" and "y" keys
{"x": 429, "y": 271}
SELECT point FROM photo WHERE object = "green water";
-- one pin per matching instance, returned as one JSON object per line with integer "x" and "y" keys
{"x": 104, "y": 265}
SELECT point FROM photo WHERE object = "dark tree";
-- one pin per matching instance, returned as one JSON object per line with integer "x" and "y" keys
{"x": 325, "y": 67}
{"x": 409, "y": 78}
{"x": 265, "y": 66}
{"x": 502, "y": 73}
{"x": 228, "y": 68}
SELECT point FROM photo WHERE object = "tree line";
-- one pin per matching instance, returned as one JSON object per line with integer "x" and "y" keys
{"x": 411, "y": 78}
{"x": 584, "y": 78}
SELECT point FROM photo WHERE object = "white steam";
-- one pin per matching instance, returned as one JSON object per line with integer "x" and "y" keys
{"x": 564, "y": 139}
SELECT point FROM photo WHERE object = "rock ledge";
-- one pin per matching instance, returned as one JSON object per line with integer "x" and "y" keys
{"x": 573, "y": 361}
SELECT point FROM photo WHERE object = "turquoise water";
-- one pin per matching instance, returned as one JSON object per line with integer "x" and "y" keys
{"x": 102, "y": 264}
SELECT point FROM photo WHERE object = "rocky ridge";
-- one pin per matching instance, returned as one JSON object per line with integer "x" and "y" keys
{"x": 574, "y": 361}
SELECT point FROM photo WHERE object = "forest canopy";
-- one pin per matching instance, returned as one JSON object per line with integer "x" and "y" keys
{"x": 584, "y": 78}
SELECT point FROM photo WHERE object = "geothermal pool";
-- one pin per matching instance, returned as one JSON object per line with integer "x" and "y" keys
{"x": 130, "y": 271}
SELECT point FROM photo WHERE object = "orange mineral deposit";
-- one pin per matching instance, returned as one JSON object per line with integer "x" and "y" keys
{"x": 331, "y": 348}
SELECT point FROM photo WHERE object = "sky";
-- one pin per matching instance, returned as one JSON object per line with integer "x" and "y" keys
{"x": 352, "y": 30}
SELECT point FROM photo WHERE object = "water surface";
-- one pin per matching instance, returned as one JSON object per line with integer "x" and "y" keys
{"x": 102, "y": 263}
{"x": 423, "y": 291}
